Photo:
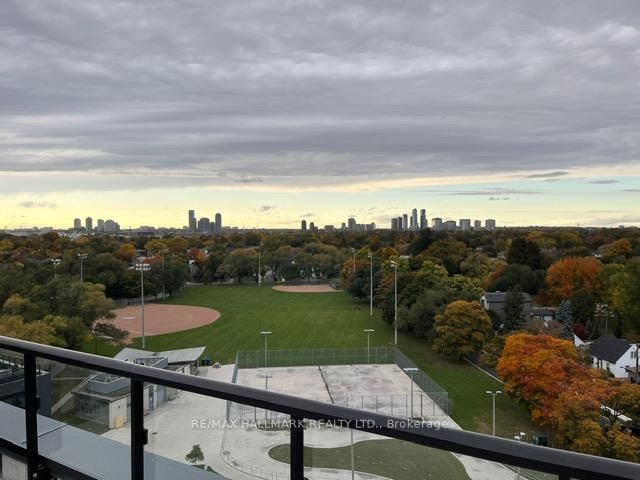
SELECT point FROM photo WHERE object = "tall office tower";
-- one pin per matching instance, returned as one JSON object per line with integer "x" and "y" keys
{"x": 100, "y": 225}
{"x": 88, "y": 224}
{"x": 450, "y": 226}
{"x": 477, "y": 225}
{"x": 399, "y": 221}
{"x": 437, "y": 224}
{"x": 303, "y": 225}
{"x": 343, "y": 226}
{"x": 465, "y": 224}
{"x": 394, "y": 224}
{"x": 204, "y": 225}
{"x": 77, "y": 224}
{"x": 423, "y": 219}
{"x": 405, "y": 222}
{"x": 490, "y": 224}
{"x": 218, "y": 229}
{"x": 312, "y": 227}
{"x": 110, "y": 226}
{"x": 414, "y": 219}
{"x": 351, "y": 223}
{"x": 193, "y": 224}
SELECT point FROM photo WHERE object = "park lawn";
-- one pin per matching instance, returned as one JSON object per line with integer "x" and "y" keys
{"x": 388, "y": 458}
{"x": 330, "y": 320}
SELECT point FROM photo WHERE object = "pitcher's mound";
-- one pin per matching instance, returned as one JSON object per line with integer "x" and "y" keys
{"x": 162, "y": 318}
{"x": 305, "y": 288}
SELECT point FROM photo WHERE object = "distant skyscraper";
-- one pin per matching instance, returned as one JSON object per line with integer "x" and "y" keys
{"x": 414, "y": 219}
{"x": 437, "y": 224}
{"x": 399, "y": 223}
{"x": 405, "y": 222}
{"x": 450, "y": 226}
{"x": 351, "y": 223}
{"x": 88, "y": 224}
{"x": 394, "y": 224}
{"x": 193, "y": 224}
{"x": 218, "y": 227}
{"x": 204, "y": 225}
{"x": 423, "y": 219}
{"x": 312, "y": 227}
{"x": 110, "y": 226}
{"x": 490, "y": 224}
{"x": 77, "y": 224}
{"x": 477, "y": 225}
{"x": 343, "y": 226}
{"x": 303, "y": 225}
{"x": 465, "y": 224}
{"x": 100, "y": 225}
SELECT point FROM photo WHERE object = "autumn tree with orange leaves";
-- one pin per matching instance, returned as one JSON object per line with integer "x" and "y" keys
{"x": 571, "y": 274}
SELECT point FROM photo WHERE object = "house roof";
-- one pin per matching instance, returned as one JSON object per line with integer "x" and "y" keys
{"x": 609, "y": 348}
{"x": 500, "y": 297}
{"x": 183, "y": 355}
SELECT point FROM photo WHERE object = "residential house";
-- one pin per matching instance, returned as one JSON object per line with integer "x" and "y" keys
{"x": 614, "y": 354}
{"x": 495, "y": 302}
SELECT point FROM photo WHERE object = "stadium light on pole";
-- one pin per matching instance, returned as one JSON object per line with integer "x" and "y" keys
{"x": 259, "y": 248}
{"x": 163, "y": 252}
{"x": 266, "y": 335}
{"x": 142, "y": 267}
{"x": 368, "y": 331}
{"x": 82, "y": 257}
{"x": 370, "y": 255}
{"x": 411, "y": 371}
{"x": 395, "y": 301}
{"x": 266, "y": 376}
{"x": 494, "y": 394}
{"x": 55, "y": 262}
{"x": 353, "y": 250}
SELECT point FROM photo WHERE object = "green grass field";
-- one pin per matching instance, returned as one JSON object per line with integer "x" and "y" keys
{"x": 388, "y": 458}
{"x": 331, "y": 320}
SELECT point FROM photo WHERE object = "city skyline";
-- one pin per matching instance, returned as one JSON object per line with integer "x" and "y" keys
{"x": 524, "y": 109}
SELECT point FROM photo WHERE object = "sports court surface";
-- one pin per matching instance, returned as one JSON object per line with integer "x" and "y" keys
{"x": 380, "y": 388}
{"x": 305, "y": 288}
{"x": 162, "y": 318}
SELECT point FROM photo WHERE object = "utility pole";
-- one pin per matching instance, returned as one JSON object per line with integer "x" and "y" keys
{"x": 494, "y": 394}
{"x": 55, "y": 262}
{"x": 142, "y": 267}
{"x": 82, "y": 257}
{"x": 370, "y": 255}
{"x": 395, "y": 302}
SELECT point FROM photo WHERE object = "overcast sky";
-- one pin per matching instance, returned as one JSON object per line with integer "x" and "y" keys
{"x": 269, "y": 110}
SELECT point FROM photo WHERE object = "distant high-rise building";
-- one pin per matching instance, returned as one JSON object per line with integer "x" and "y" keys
{"x": 405, "y": 222}
{"x": 303, "y": 225}
{"x": 329, "y": 228}
{"x": 490, "y": 224}
{"x": 312, "y": 227}
{"x": 414, "y": 219}
{"x": 450, "y": 226}
{"x": 77, "y": 224}
{"x": 400, "y": 225}
{"x": 88, "y": 224}
{"x": 394, "y": 224}
{"x": 193, "y": 224}
{"x": 110, "y": 226}
{"x": 477, "y": 225}
{"x": 343, "y": 226}
{"x": 218, "y": 227}
{"x": 465, "y": 224}
{"x": 204, "y": 225}
{"x": 100, "y": 225}
{"x": 351, "y": 223}
{"x": 423, "y": 219}
{"x": 437, "y": 224}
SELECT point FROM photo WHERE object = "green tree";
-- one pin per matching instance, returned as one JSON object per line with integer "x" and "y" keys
{"x": 525, "y": 252}
{"x": 564, "y": 316}
{"x": 514, "y": 310}
{"x": 462, "y": 329}
{"x": 195, "y": 455}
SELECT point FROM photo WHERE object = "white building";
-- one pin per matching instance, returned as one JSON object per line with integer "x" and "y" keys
{"x": 614, "y": 354}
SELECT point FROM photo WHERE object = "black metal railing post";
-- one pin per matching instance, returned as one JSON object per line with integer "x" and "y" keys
{"x": 296, "y": 449}
{"x": 31, "y": 406}
{"x": 138, "y": 432}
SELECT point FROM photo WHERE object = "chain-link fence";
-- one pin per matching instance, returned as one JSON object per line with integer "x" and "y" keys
{"x": 432, "y": 400}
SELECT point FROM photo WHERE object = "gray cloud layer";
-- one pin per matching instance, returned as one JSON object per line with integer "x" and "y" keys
{"x": 271, "y": 90}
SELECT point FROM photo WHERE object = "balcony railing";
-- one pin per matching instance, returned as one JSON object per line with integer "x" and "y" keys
{"x": 565, "y": 464}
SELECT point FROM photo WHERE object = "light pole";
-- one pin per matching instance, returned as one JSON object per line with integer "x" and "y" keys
{"x": 163, "y": 252}
{"x": 494, "y": 395}
{"x": 82, "y": 257}
{"x": 411, "y": 371}
{"x": 353, "y": 251}
{"x": 519, "y": 438}
{"x": 266, "y": 336}
{"x": 55, "y": 262}
{"x": 142, "y": 267}
{"x": 368, "y": 331}
{"x": 370, "y": 255}
{"x": 395, "y": 301}
{"x": 259, "y": 248}
{"x": 266, "y": 376}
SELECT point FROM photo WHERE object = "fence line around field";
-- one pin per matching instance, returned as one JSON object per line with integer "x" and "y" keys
{"x": 438, "y": 396}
